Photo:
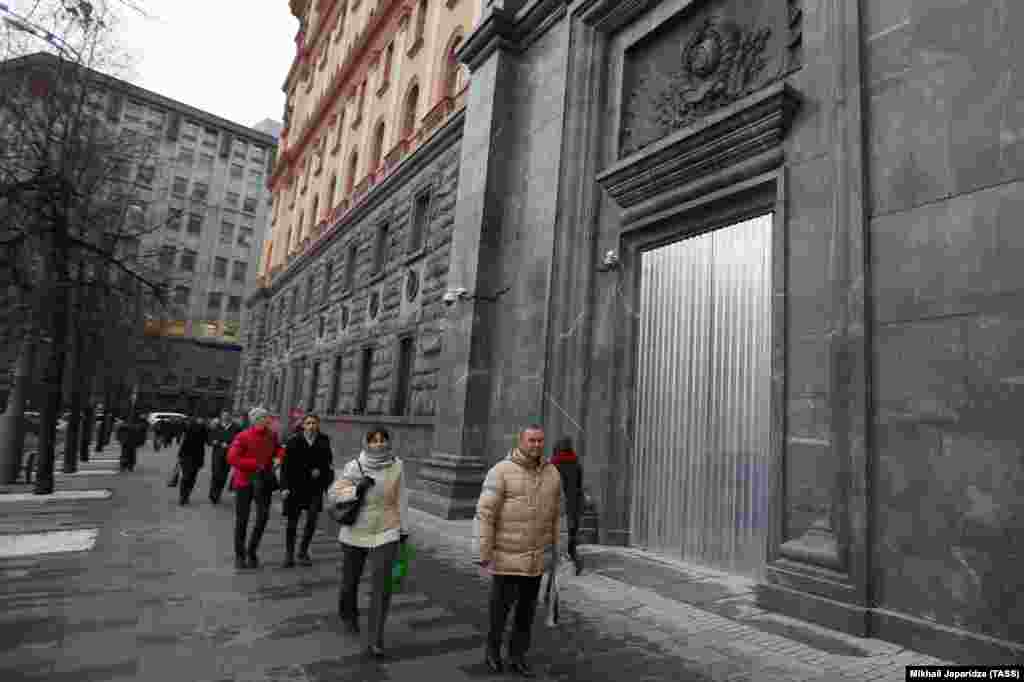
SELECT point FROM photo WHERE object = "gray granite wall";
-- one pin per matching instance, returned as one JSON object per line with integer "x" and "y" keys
{"x": 947, "y": 124}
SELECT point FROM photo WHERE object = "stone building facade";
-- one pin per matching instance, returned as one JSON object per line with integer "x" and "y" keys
{"x": 757, "y": 257}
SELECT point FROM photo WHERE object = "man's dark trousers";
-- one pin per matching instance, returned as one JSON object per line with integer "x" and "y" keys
{"x": 219, "y": 473}
{"x": 189, "y": 474}
{"x": 244, "y": 499}
{"x": 128, "y": 457}
{"x": 506, "y": 589}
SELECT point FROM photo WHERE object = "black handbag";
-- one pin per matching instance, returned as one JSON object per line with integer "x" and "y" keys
{"x": 264, "y": 482}
{"x": 347, "y": 512}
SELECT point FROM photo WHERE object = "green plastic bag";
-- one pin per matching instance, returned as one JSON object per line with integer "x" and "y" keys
{"x": 400, "y": 567}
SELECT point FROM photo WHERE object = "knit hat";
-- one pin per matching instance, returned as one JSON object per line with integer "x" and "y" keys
{"x": 256, "y": 414}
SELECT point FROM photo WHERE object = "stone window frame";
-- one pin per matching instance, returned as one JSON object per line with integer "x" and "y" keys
{"x": 334, "y": 399}
{"x": 365, "y": 383}
{"x": 403, "y": 398}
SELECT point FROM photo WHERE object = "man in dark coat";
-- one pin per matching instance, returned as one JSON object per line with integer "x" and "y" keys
{"x": 191, "y": 456}
{"x": 306, "y": 474}
{"x": 220, "y": 440}
{"x": 132, "y": 435}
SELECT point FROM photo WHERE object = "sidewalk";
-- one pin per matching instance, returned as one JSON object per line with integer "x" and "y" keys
{"x": 706, "y": 618}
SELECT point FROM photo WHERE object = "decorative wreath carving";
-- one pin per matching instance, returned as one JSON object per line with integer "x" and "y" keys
{"x": 374, "y": 304}
{"x": 719, "y": 64}
{"x": 412, "y": 285}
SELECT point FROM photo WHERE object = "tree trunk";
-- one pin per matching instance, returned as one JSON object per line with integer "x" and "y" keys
{"x": 88, "y": 427}
{"x": 56, "y": 325}
{"x": 12, "y": 423}
{"x": 71, "y": 438}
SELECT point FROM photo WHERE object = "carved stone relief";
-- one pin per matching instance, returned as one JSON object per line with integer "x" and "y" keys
{"x": 701, "y": 61}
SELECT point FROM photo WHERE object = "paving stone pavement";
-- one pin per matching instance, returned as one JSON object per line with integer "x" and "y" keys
{"x": 158, "y": 599}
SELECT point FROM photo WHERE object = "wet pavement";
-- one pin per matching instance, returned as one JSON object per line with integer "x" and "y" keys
{"x": 157, "y": 598}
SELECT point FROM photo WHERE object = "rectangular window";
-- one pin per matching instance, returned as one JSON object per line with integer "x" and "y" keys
{"x": 167, "y": 254}
{"x": 406, "y": 350}
{"x": 209, "y": 138}
{"x": 234, "y": 304}
{"x": 241, "y": 149}
{"x": 180, "y": 186}
{"x": 250, "y": 204}
{"x": 195, "y": 223}
{"x": 220, "y": 268}
{"x": 237, "y": 171}
{"x": 174, "y": 219}
{"x": 200, "y": 190}
{"x": 350, "y": 265}
{"x": 365, "y": 366}
{"x": 181, "y": 295}
{"x": 314, "y": 384}
{"x": 241, "y": 267}
{"x": 381, "y": 248}
{"x": 206, "y": 160}
{"x": 214, "y": 303}
{"x": 189, "y": 131}
{"x": 188, "y": 260}
{"x": 231, "y": 199}
{"x": 227, "y": 233}
{"x": 257, "y": 154}
{"x": 245, "y": 237}
{"x": 325, "y": 295}
{"x": 420, "y": 220}
{"x": 336, "y": 385}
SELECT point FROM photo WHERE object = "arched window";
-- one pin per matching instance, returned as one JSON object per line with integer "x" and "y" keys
{"x": 378, "y": 147}
{"x": 353, "y": 166}
{"x": 454, "y": 71}
{"x": 298, "y": 232}
{"x": 330, "y": 192}
{"x": 288, "y": 241}
{"x": 412, "y": 102}
{"x": 421, "y": 20}
{"x": 314, "y": 217}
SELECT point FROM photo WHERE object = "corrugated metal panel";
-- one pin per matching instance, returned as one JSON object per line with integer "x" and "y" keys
{"x": 702, "y": 430}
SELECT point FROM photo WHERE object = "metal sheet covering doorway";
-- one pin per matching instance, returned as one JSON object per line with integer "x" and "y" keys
{"x": 701, "y": 451}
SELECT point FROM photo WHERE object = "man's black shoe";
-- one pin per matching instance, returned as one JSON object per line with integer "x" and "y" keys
{"x": 378, "y": 653}
{"x": 493, "y": 663}
{"x": 240, "y": 563}
{"x": 252, "y": 562}
{"x": 289, "y": 562}
{"x": 304, "y": 560}
{"x": 351, "y": 626}
{"x": 521, "y": 668}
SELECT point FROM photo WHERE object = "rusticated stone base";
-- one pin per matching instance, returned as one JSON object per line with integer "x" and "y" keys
{"x": 449, "y": 485}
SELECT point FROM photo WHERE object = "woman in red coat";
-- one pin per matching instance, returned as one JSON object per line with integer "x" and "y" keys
{"x": 251, "y": 457}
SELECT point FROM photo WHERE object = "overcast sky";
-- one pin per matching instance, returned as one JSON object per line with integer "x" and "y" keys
{"x": 227, "y": 57}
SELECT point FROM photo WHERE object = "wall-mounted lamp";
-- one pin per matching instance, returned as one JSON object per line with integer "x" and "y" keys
{"x": 453, "y": 296}
{"x": 609, "y": 262}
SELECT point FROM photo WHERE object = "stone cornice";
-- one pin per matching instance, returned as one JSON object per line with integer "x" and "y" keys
{"x": 609, "y": 15}
{"x": 510, "y": 30}
{"x": 738, "y": 133}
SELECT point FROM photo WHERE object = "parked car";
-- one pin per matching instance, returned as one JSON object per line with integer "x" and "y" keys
{"x": 154, "y": 417}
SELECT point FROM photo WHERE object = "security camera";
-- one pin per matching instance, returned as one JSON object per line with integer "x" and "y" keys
{"x": 453, "y": 295}
{"x": 611, "y": 259}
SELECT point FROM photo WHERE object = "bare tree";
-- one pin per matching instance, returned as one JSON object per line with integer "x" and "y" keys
{"x": 73, "y": 197}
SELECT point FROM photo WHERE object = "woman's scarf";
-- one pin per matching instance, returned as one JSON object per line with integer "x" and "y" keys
{"x": 377, "y": 458}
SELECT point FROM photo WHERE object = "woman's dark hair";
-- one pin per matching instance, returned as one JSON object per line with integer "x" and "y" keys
{"x": 311, "y": 416}
{"x": 563, "y": 444}
{"x": 378, "y": 430}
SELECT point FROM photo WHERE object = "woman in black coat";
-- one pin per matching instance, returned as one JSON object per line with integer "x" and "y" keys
{"x": 191, "y": 456}
{"x": 306, "y": 474}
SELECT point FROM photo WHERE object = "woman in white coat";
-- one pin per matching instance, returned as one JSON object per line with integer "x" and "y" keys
{"x": 376, "y": 534}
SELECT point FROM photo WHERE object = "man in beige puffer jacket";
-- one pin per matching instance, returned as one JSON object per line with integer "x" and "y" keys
{"x": 518, "y": 518}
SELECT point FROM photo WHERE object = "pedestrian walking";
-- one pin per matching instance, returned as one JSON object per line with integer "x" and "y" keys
{"x": 376, "y": 535}
{"x": 191, "y": 456}
{"x": 131, "y": 436}
{"x": 306, "y": 474}
{"x": 570, "y": 470}
{"x": 221, "y": 436}
{"x": 251, "y": 456}
{"x": 518, "y": 517}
